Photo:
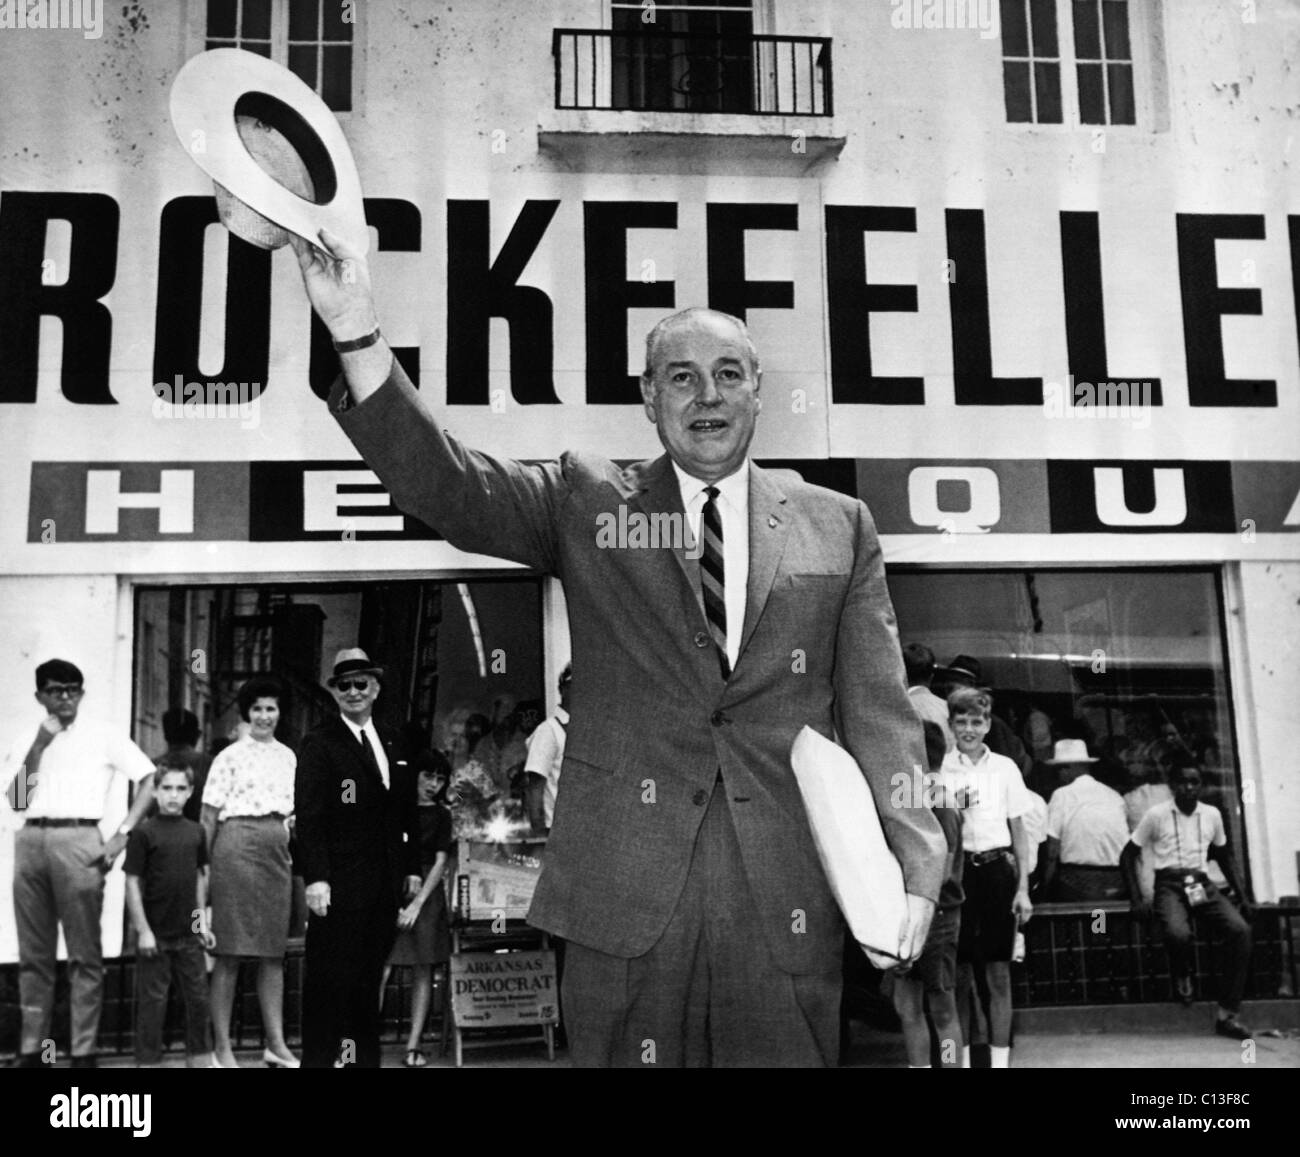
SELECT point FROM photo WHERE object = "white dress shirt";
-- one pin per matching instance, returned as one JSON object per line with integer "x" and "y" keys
{"x": 733, "y": 508}
{"x": 1088, "y": 818}
{"x": 546, "y": 757}
{"x": 77, "y": 769}
{"x": 381, "y": 756}
{"x": 1179, "y": 841}
{"x": 1000, "y": 796}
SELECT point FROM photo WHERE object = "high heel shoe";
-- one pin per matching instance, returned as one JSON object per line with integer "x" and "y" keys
{"x": 272, "y": 1061}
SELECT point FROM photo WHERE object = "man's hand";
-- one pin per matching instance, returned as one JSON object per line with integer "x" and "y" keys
{"x": 337, "y": 280}
{"x": 1022, "y": 906}
{"x": 112, "y": 850}
{"x": 920, "y": 912}
{"x": 147, "y": 945}
{"x": 318, "y": 898}
{"x": 411, "y": 887}
{"x": 49, "y": 728}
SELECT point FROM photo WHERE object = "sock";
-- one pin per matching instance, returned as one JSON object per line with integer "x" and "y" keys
{"x": 965, "y": 1056}
{"x": 1001, "y": 1055}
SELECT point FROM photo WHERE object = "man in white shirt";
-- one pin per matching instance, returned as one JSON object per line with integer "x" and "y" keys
{"x": 995, "y": 876}
{"x": 1086, "y": 830}
{"x": 58, "y": 779}
{"x": 545, "y": 757}
{"x": 918, "y": 664}
{"x": 1184, "y": 836}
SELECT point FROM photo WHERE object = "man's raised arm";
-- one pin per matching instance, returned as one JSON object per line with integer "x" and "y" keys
{"x": 478, "y": 503}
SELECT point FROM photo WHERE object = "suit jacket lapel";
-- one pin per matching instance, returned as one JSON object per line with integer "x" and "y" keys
{"x": 657, "y": 492}
{"x": 348, "y": 738}
{"x": 769, "y": 529}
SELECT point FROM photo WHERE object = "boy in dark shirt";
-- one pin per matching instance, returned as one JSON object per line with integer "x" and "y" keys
{"x": 933, "y": 977}
{"x": 167, "y": 896}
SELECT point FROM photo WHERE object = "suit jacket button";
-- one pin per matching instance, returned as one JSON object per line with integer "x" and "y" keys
{"x": 699, "y": 798}
{"x": 718, "y": 718}
{"x": 701, "y": 639}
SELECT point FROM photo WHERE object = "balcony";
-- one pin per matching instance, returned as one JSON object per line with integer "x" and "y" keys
{"x": 656, "y": 100}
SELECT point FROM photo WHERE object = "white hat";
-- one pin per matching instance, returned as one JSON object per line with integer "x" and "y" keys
{"x": 1071, "y": 751}
{"x": 273, "y": 148}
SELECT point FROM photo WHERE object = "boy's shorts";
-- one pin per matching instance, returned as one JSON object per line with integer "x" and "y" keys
{"x": 937, "y": 966}
{"x": 988, "y": 926}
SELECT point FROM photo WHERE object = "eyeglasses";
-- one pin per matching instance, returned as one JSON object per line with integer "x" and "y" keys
{"x": 63, "y": 690}
{"x": 353, "y": 685}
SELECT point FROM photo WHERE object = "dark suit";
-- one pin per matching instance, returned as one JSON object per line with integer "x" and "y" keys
{"x": 362, "y": 839}
{"x": 658, "y": 740}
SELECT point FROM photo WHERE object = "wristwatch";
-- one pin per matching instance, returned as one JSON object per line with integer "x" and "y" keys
{"x": 124, "y": 830}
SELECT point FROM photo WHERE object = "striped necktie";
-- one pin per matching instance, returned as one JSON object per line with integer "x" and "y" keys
{"x": 712, "y": 575}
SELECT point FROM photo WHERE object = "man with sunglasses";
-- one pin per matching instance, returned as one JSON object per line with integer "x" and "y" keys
{"x": 358, "y": 848}
{"x": 58, "y": 780}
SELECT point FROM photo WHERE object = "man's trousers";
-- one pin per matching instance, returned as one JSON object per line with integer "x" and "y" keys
{"x": 1175, "y": 916}
{"x": 344, "y": 963}
{"x": 58, "y": 880}
{"x": 708, "y": 993}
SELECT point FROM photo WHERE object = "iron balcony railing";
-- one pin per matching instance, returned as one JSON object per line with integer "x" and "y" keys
{"x": 657, "y": 70}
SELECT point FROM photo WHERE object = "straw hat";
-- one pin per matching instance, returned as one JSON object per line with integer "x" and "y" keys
{"x": 274, "y": 150}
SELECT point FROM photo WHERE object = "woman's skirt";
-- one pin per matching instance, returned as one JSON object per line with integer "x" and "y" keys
{"x": 429, "y": 942}
{"x": 251, "y": 887}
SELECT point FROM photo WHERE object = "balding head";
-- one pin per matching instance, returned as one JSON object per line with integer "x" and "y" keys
{"x": 685, "y": 317}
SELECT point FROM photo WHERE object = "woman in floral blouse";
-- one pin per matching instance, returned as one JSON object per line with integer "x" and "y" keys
{"x": 247, "y": 808}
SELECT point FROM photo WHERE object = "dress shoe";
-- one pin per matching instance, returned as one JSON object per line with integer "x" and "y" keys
{"x": 89, "y": 1061}
{"x": 1230, "y": 1026}
{"x": 273, "y": 1061}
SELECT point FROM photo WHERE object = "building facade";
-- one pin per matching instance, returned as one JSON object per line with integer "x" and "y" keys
{"x": 1023, "y": 276}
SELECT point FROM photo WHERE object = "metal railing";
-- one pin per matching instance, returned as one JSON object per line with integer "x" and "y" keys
{"x": 694, "y": 72}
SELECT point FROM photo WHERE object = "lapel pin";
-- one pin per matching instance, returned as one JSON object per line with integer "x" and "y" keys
{"x": 771, "y": 521}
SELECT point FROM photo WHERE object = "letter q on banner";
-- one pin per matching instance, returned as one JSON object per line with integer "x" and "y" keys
{"x": 983, "y": 506}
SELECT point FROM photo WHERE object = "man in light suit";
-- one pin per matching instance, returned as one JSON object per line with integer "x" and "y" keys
{"x": 681, "y": 869}
{"x": 357, "y": 832}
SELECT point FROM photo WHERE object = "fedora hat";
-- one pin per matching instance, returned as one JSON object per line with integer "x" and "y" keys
{"x": 275, "y": 152}
{"x": 1071, "y": 751}
{"x": 964, "y": 667}
{"x": 353, "y": 661}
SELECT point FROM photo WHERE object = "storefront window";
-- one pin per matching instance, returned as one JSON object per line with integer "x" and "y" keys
{"x": 450, "y": 650}
{"x": 1130, "y": 661}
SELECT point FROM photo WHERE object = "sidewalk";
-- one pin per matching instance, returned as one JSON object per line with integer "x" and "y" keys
{"x": 874, "y": 1049}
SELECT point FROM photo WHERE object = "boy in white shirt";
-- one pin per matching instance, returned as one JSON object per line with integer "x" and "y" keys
{"x": 997, "y": 864}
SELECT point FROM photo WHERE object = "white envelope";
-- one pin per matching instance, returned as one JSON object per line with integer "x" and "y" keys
{"x": 863, "y": 873}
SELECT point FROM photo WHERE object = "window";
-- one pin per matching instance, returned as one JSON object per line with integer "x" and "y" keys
{"x": 691, "y": 56}
{"x": 1031, "y": 62}
{"x": 313, "y": 38}
{"x": 1039, "y": 37}
{"x": 1131, "y": 661}
{"x": 1104, "y": 62}
{"x": 696, "y": 56}
{"x": 195, "y": 646}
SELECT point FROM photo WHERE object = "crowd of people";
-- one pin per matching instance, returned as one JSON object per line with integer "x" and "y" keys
{"x": 212, "y": 847}
{"x": 1094, "y": 843}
